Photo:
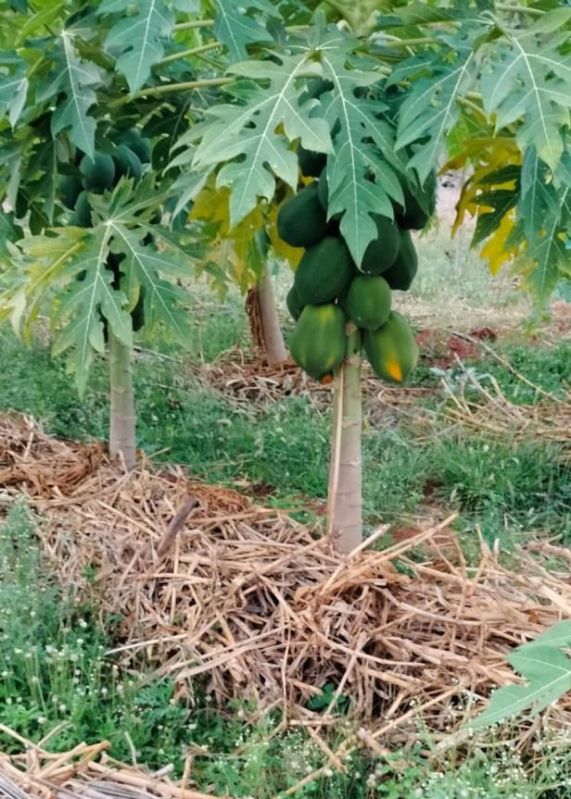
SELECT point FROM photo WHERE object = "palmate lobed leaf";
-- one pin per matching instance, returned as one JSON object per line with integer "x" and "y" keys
{"x": 13, "y": 88}
{"x": 252, "y": 139}
{"x": 250, "y": 130}
{"x": 236, "y": 27}
{"x": 526, "y": 79}
{"x": 432, "y": 107}
{"x": 79, "y": 312}
{"x": 546, "y": 670}
{"x": 72, "y": 83}
{"x": 138, "y": 38}
{"x": 364, "y": 176}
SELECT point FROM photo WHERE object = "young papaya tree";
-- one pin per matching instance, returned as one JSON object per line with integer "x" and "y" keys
{"x": 92, "y": 99}
{"x": 380, "y": 99}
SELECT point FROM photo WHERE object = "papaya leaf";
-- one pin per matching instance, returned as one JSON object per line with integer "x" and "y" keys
{"x": 72, "y": 82}
{"x": 363, "y": 176}
{"x": 438, "y": 82}
{"x": 546, "y": 670}
{"x": 236, "y": 27}
{"x": 138, "y": 38}
{"x": 251, "y": 130}
{"x": 13, "y": 89}
{"x": 527, "y": 79}
{"x": 88, "y": 297}
{"x": 164, "y": 301}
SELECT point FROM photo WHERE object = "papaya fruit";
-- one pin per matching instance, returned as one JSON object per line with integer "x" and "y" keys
{"x": 302, "y": 221}
{"x": 138, "y": 144}
{"x": 69, "y": 188}
{"x": 392, "y": 350}
{"x": 417, "y": 211}
{"x": 98, "y": 173}
{"x": 81, "y": 216}
{"x": 310, "y": 162}
{"x": 127, "y": 163}
{"x": 318, "y": 341}
{"x": 368, "y": 301}
{"x": 381, "y": 253}
{"x": 403, "y": 271}
{"x": 294, "y": 304}
{"x": 324, "y": 272}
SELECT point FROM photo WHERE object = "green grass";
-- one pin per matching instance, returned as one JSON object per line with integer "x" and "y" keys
{"x": 506, "y": 488}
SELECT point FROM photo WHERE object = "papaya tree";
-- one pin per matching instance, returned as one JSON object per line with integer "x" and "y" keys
{"x": 92, "y": 99}
{"x": 382, "y": 98}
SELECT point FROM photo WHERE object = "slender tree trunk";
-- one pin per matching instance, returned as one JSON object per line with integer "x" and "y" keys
{"x": 273, "y": 337}
{"x": 264, "y": 320}
{"x": 123, "y": 418}
{"x": 345, "y": 522}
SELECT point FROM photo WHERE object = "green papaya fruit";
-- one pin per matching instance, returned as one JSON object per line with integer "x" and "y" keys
{"x": 311, "y": 163}
{"x": 294, "y": 304}
{"x": 381, "y": 253}
{"x": 302, "y": 221}
{"x": 324, "y": 272}
{"x": 98, "y": 173}
{"x": 403, "y": 271}
{"x": 318, "y": 342}
{"x": 81, "y": 216}
{"x": 127, "y": 163}
{"x": 392, "y": 350}
{"x": 417, "y": 211}
{"x": 138, "y": 144}
{"x": 368, "y": 301}
{"x": 69, "y": 189}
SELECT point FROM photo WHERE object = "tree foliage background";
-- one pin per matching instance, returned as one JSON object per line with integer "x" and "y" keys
{"x": 221, "y": 89}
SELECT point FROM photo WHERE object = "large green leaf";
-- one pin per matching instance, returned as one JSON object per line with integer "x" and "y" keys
{"x": 431, "y": 108}
{"x": 236, "y": 27}
{"x": 146, "y": 266}
{"x": 251, "y": 130}
{"x": 138, "y": 38}
{"x": 363, "y": 175}
{"x": 13, "y": 87}
{"x": 527, "y": 80}
{"x": 72, "y": 82}
{"x": 78, "y": 313}
{"x": 546, "y": 670}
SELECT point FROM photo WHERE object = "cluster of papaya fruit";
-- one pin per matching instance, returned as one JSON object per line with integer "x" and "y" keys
{"x": 329, "y": 289}
{"x": 127, "y": 158}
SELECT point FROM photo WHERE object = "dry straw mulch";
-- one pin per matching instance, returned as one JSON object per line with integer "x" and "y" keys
{"x": 255, "y": 606}
{"x": 85, "y": 773}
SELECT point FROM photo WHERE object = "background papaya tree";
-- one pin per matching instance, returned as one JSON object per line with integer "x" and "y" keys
{"x": 486, "y": 83}
{"x": 82, "y": 87}
{"x": 75, "y": 78}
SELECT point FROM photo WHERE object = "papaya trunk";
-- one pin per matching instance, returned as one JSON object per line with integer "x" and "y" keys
{"x": 264, "y": 320}
{"x": 345, "y": 523}
{"x": 122, "y": 414}
{"x": 273, "y": 337}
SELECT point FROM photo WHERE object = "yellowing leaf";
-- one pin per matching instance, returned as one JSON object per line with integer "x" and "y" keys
{"x": 491, "y": 154}
{"x": 496, "y": 250}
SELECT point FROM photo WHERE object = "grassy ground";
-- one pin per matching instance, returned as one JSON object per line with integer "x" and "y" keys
{"x": 52, "y": 655}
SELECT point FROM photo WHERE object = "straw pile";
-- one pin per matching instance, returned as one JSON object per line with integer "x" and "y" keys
{"x": 85, "y": 772}
{"x": 252, "y": 604}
